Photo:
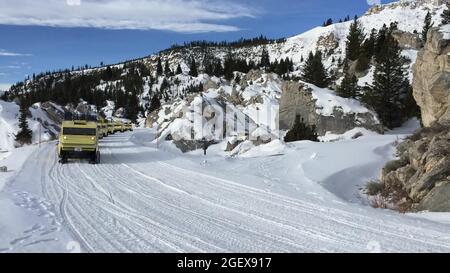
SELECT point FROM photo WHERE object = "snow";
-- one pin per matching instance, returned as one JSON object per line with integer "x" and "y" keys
{"x": 441, "y": 217}
{"x": 8, "y": 119}
{"x": 327, "y": 102}
{"x": 445, "y": 30}
{"x": 330, "y": 137}
{"x": 367, "y": 79}
{"x": 296, "y": 197}
{"x": 9, "y": 113}
{"x": 147, "y": 196}
{"x": 273, "y": 148}
{"x": 411, "y": 55}
{"x": 28, "y": 221}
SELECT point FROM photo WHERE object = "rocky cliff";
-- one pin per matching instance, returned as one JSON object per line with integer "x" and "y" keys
{"x": 420, "y": 178}
{"x": 432, "y": 78}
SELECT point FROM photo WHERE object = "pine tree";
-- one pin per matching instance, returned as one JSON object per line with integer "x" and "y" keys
{"x": 321, "y": 79}
{"x": 229, "y": 66}
{"x": 446, "y": 15}
{"x": 354, "y": 42}
{"x": 193, "y": 68}
{"x": 409, "y": 106}
{"x": 427, "y": 25}
{"x": 380, "y": 41}
{"x": 328, "y": 22}
{"x": 314, "y": 72}
{"x": 4, "y": 96}
{"x": 301, "y": 131}
{"x": 179, "y": 70}
{"x": 132, "y": 108}
{"x": 265, "y": 59}
{"x": 25, "y": 135}
{"x": 155, "y": 103}
{"x": 159, "y": 68}
{"x": 349, "y": 87}
{"x": 368, "y": 47}
{"x": 218, "y": 69}
{"x": 167, "y": 70}
{"x": 390, "y": 84}
{"x": 308, "y": 68}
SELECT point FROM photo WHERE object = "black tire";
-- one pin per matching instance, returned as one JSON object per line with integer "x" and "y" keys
{"x": 63, "y": 159}
{"x": 97, "y": 158}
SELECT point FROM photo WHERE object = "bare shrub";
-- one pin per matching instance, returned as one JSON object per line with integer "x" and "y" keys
{"x": 373, "y": 187}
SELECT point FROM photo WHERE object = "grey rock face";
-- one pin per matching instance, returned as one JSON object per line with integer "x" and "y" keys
{"x": 297, "y": 100}
{"x": 432, "y": 79}
{"x": 424, "y": 172}
{"x": 408, "y": 40}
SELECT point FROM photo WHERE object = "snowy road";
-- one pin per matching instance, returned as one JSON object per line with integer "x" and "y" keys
{"x": 141, "y": 199}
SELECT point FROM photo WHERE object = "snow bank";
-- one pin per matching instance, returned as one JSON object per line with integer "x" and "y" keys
{"x": 273, "y": 148}
{"x": 352, "y": 134}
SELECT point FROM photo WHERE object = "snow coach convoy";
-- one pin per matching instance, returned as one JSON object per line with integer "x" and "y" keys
{"x": 80, "y": 134}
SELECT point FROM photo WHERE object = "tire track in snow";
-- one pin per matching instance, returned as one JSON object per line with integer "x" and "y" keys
{"x": 176, "y": 209}
{"x": 330, "y": 214}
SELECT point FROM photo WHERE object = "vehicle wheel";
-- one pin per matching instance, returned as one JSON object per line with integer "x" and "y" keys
{"x": 97, "y": 158}
{"x": 63, "y": 159}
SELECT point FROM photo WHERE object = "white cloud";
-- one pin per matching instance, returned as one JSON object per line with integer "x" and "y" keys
{"x": 174, "y": 15}
{"x": 6, "y": 53}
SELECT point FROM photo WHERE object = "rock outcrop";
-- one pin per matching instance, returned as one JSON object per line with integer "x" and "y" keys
{"x": 432, "y": 78}
{"x": 408, "y": 40}
{"x": 422, "y": 171}
{"x": 421, "y": 174}
{"x": 297, "y": 100}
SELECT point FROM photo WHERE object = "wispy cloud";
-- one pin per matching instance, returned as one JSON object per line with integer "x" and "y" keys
{"x": 190, "y": 16}
{"x": 6, "y": 53}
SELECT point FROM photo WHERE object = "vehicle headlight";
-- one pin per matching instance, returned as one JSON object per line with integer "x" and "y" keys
{"x": 93, "y": 138}
{"x": 65, "y": 138}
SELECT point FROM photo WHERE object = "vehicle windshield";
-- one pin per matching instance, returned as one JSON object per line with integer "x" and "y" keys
{"x": 80, "y": 131}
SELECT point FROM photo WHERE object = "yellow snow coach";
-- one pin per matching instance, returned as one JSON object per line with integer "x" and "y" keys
{"x": 102, "y": 127}
{"x": 110, "y": 124}
{"x": 79, "y": 139}
{"x": 128, "y": 126}
{"x": 118, "y": 126}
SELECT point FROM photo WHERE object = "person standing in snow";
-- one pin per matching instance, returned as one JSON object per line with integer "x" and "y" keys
{"x": 204, "y": 146}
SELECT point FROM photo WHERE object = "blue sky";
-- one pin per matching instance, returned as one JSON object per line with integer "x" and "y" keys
{"x": 46, "y": 35}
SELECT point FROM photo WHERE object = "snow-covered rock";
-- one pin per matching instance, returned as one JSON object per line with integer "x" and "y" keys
{"x": 322, "y": 108}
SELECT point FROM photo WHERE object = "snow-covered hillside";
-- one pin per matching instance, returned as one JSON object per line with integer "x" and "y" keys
{"x": 247, "y": 110}
{"x": 9, "y": 113}
{"x": 156, "y": 191}
{"x": 331, "y": 40}
{"x": 408, "y": 14}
